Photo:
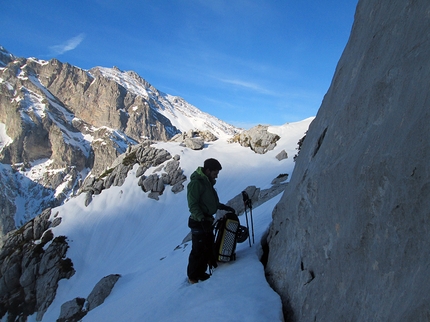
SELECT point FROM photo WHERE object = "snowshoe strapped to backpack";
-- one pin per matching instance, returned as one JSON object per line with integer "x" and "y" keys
{"x": 228, "y": 232}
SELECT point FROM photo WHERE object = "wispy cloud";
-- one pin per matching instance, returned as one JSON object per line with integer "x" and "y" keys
{"x": 251, "y": 86}
{"x": 68, "y": 45}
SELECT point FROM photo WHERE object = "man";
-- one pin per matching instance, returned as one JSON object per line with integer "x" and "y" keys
{"x": 203, "y": 203}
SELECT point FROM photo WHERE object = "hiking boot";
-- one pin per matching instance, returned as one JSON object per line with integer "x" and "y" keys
{"x": 192, "y": 280}
{"x": 204, "y": 277}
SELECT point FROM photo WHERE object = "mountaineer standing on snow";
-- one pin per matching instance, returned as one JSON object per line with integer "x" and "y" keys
{"x": 203, "y": 203}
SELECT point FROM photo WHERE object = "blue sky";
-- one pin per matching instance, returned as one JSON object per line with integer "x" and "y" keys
{"x": 246, "y": 62}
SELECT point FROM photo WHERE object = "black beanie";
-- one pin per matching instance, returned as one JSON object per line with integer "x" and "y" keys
{"x": 212, "y": 165}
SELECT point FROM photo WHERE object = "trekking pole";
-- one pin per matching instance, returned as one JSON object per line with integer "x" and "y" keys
{"x": 244, "y": 195}
{"x": 252, "y": 221}
{"x": 247, "y": 203}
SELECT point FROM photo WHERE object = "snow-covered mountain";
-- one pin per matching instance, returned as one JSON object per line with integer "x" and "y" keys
{"x": 60, "y": 123}
{"x": 181, "y": 114}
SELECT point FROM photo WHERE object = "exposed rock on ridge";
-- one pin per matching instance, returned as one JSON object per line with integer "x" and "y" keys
{"x": 195, "y": 139}
{"x": 350, "y": 237}
{"x": 258, "y": 139}
{"x": 146, "y": 157}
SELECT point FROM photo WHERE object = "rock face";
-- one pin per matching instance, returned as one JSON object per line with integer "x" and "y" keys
{"x": 32, "y": 263}
{"x": 350, "y": 237}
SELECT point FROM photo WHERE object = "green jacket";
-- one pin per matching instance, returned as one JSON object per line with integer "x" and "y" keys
{"x": 202, "y": 198}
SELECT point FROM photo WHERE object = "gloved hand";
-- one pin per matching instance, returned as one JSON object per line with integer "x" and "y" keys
{"x": 207, "y": 226}
{"x": 227, "y": 208}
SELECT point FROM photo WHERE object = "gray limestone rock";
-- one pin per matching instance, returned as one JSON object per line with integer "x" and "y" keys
{"x": 72, "y": 311}
{"x": 141, "y": 170}
{"x": 41, "y": 223}
{"x": 258, "y": 139}
{"x": 282, "y": 155}
{"x": 194, "y": 143}
{"x": 350, "y": 237}
{"x": 280, "y": 178}
{"x": 172, "y": 165}
{"x": 98, "y": 186}
{"x": 177, "y": 187}
{"x": 101, "y": 291}
{"x": 154, "y": 195}
{"x": 150, "y": 183}
{"x": 203, "y": 135}
{"x": 88, "y": 198}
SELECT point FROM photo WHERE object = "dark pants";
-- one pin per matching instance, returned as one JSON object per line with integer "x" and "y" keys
{"x": 202, "y": 251}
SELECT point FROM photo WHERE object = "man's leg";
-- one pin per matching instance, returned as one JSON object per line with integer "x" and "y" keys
{"x": 211, "y": 256}
{"x": 197, "y": 261}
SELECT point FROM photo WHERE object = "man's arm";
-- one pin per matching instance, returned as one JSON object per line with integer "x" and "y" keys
{"x": 193, "y": 197}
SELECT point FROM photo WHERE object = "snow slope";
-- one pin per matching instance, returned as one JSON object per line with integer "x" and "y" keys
{"x": 124, "y": 232}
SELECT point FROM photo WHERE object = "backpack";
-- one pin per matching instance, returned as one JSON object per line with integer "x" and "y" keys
{"x": 228, "y": 232}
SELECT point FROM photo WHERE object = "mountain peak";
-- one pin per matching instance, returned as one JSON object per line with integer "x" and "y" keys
{"x": 181, "y": 114}
{"x": 5, "y": 57}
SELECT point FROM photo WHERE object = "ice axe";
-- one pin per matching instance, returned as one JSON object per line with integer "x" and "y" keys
{"x": 248, "y": 204}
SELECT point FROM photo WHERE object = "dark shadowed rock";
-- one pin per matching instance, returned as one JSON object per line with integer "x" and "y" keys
{"x": 29, "y": 274}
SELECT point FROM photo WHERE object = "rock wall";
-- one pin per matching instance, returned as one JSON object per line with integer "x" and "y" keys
{"x": 350, "y": 237}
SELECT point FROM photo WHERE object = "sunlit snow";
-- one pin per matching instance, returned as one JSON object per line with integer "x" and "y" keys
{"x": 4, "y": 138}
{"x": 124, "y": 232}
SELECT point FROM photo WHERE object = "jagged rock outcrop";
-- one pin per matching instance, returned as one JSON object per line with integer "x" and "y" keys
{"x": 258, "y": 139}
{"x": 349, "y": 238}
{"x": 146, "y": 157}
{"x": 32, "y": 263}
